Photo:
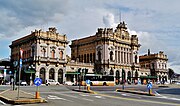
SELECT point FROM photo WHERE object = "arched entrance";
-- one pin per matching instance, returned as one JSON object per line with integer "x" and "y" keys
{"x": 136, "y": 77}
{"x": 129, "y": 77}
{"x": 117, "y": 77}
{"x": 111, "y": 72}
{"x": 123, "y": 76}
{"x": 51, "y": 73}
{"x": 42, "y": 75}
{"x": 60, "y": 76}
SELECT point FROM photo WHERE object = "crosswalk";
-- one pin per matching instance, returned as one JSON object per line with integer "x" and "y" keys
{"x": 71, "y": 96}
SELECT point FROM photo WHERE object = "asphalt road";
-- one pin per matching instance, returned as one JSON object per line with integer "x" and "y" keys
{"x": 106, "y": 96}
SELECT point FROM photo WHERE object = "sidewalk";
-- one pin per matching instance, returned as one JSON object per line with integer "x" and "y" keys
{"x": 10, "y": 97}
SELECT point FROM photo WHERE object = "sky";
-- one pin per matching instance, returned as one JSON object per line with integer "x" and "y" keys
{"x": 156, "y": 22}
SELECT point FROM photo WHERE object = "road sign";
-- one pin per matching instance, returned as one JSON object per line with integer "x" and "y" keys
{"x": 149, "y": 86}
{"x": 88, "y": 81}
{"x": 37, "y": 81}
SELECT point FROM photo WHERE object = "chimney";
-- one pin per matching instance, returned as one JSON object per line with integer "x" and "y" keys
{"x": 149, "y": 52}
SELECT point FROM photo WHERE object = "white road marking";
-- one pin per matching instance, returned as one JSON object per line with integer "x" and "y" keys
{"x": 58, "y": 98}
{"x": 164, "y": 97}
{"x": 2, "y": 102}
{"x": 100, "y": 97}
{"x": 76, "y": 97}
{"x": 88, "y": 99}
{"x": 124, "y": 94}
{"x": 84, "y": 94}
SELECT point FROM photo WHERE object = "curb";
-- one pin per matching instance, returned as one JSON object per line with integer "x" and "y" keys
{"x": 163, "y": 86}
{"x": 84, "y": 91}
{"x": 25, "y": 101}
{"x": 135, "y": 92}
{"x": 21, "y": 101}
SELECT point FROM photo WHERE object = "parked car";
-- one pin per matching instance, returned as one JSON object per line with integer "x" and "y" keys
{"x": 158, "y": 82}
{"x": 22, "y": 83}
{"x": 178, "y": 83}
{"x": 51, "y": 82}
{"x": 69, "y": 83}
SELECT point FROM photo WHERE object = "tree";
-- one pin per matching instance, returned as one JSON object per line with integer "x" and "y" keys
{"x": 170, "y": 73}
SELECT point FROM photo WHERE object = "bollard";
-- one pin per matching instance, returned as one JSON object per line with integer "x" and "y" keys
{"x": 88, "y": 88}
{"x": 37, "y": 96}
{"x": 150, "y": 91}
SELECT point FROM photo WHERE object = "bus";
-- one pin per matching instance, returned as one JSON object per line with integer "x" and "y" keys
{"x": 99, "y": 80}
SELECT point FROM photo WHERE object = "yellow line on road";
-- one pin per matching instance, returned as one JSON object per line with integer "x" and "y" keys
{"x": 147, "y": 101}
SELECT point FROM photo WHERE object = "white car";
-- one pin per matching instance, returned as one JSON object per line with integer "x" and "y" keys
{"x": 178, "y": 83}
{"x": 51, "y": 82}
{"x": 69, "y": 83}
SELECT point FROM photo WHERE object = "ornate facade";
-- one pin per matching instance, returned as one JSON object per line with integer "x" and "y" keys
{"x": 157, "y": 65}
{"x": 113, "y": 52}
{"x": 45, "y": 51}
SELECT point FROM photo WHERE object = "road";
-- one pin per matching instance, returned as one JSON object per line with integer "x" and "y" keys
{"x": 106, "y": 96}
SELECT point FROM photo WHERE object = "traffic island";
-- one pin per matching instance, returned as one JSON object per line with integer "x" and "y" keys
{"x": 135, "y": 92}
{"x": 10, "y": 97}
{"x": 84, "y": 91}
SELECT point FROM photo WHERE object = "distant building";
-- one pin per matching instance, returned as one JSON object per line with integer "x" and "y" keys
{"x": 44, "y": 55}
{"x": 5, "y": 71}
{"x": 156, "y": 64}
{"x": 113, "y": 52}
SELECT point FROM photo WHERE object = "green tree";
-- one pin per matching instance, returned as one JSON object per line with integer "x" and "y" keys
{"x": 171, "y": 74}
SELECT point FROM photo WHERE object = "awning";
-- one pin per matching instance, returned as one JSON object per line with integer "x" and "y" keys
{"x": 72, "y": 73}
{"x": 29, "y": 71}
{"x": 148, "y": 77}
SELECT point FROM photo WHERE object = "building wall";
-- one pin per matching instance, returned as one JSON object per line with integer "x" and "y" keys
{"x": 113, "y": 50}
{"x": 42, "y": 50}
{"x": 157, "y": 62}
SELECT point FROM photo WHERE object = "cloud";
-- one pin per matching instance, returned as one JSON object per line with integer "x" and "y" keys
{"x": 108, "y": 20}
{"x": 155, "y": 22}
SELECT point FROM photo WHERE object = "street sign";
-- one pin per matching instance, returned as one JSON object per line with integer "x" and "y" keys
{"x": 149, "y": 86}
{"x": 88, "y": 81}
{"x": 20, "y": 62}
{"x": 37, "y": 81}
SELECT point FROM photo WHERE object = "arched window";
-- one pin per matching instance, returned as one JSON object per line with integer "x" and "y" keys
{"x": 53, "y": 53}
{"x": 129, "y": 76}
{"x": 111, "y": 72}
{"x": 60, "y": 76}
{"x": 42, "y": 75}
{"x": 44, "y": 52}
{"x": 61, "y": 54}
{"x": 99, "y": 56}
{"x": 51, "y": 73}
{"x": 111, "y": 56}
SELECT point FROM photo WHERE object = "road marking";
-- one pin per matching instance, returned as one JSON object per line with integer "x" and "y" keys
{"x": 2, "y": 102}
{"x": 139, "y": 100}
{"x": 84, "y": 94}
{"x": 100, "y": 97}
{"x": 124, "y": 94}
{"x": 165, "y": 97}
{"x": 88, "y": 99}
{"x": 76, "y": 97}
{"x": 57, "y": 98}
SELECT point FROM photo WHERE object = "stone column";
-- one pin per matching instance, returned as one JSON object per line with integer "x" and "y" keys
{"x": 47, "y": 74}
{"x": 56, "y": 76}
